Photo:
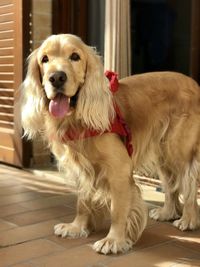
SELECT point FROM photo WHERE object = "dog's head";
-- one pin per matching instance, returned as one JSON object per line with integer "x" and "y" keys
{"x": 65, "y": 78}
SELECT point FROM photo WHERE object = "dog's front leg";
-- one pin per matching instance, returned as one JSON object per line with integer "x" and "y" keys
{"x": 79, "y": 227}
{"x": 117, "y": 240}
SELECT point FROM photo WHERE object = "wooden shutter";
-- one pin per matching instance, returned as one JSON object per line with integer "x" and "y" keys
{"x": 12, "y": 51}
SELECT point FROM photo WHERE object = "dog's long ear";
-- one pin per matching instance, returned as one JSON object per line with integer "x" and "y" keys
{"x": 32, "y": 100}
{"x": 95, "y": 105}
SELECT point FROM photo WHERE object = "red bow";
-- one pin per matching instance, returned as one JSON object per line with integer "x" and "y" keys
{"x": 113, "y": 79}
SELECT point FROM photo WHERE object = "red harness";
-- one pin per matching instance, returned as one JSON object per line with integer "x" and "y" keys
{"x": 118, "y": 126}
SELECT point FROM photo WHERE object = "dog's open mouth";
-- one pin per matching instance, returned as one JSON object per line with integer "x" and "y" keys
{"x": 62, "y": 105}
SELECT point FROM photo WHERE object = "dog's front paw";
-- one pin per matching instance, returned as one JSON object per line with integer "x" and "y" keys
{"x": 111, "y": 245}
{"x": 71, "y": 230}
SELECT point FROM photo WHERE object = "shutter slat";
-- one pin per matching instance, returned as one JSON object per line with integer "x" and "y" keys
{"x": 6, "y": 84}
{"x": 7, "y": 125}
{"x": 6, "y": 92}
{"x": 7, "y": 51}
{"x": 6, "y": 17}
{"x": 6, "y": 67}
{"x": 6, "y": 43}
{"x": 6, "y": 101}
{"x": 6, "y": 117}
{"x": 6, "y": 109}
{"x": 6, "y": 2}
{"x": 6, "y": 26}
{"x": 6, "y": 9}
{"x": 6, "y": 76}
{"x": 6, "y": 34}
{"x": 6, "y": 60}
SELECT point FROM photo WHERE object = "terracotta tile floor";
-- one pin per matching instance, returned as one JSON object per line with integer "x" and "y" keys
{"x": 31, "y": 204}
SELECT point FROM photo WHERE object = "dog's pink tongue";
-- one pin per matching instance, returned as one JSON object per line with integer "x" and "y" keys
{"x": 59, "y": 106}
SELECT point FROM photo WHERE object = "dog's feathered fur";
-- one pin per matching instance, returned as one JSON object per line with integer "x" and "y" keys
{"x": 163, "y": 113}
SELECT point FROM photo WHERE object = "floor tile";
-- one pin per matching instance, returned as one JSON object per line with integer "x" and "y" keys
{"x": 29, "y": 250}
{"x": 26, "y": 264}
{"x": 9, "y": 181}
{"x": 151, "y": 237}
{"x": 26, "y": 233}
{"x": 170, "y": 232}
{"x": 70, "y": 242}
{"x": 36, "y": 216}
{"x": 17, "y": 198}
{"x": 82, "y": 256}
{"x": 187, "y": 263}
{"x": 9, "y": 190}
{"x": 5, "y": 225}
{"x": 53, "y": 201}
{"x": 165, "y": 255}
{"x": 11, "y": 209}
{"x": 160, "y": 232}
{"x": 190, "y": 241}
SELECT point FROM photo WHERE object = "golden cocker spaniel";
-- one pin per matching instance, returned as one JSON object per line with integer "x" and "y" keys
{"x": 66, "y": 91}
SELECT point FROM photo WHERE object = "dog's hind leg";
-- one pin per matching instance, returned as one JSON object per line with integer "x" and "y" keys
{"x": 172, "y": 208}
{"x": 190, "y": 219}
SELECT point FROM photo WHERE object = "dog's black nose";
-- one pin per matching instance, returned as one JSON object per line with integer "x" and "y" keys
{"x": 58, "y": 78}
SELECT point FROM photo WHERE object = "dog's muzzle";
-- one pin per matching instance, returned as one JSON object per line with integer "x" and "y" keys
{"x": 58, "y": 79}
{"x": 61, "y": 105}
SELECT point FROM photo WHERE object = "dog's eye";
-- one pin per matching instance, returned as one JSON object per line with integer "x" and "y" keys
{"x": 75, "y": 57}
{"x": 45, "y": 59}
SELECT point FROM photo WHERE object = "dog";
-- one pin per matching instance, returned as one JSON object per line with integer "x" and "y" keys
{"x": 66, "y": 93}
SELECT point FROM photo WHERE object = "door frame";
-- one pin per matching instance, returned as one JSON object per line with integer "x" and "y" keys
{"x": 195, "y": 41}
{"x": 70, "y": 16}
